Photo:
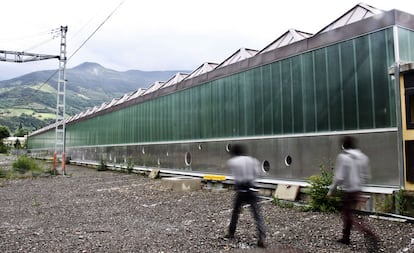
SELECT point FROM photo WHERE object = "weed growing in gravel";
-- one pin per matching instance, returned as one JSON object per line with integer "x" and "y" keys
{"x": 25, "y": 164}
{"x": 400, "y": 202}
{"x": 130, "y": 165}
{"x": 3, "y": 173}
{"x": 35, "y": 202}
{"x": 22, "y": 167}
{"x": 387, "y": 204}
{"x": 102, "y": 165}
{"x": 319, "y": 187}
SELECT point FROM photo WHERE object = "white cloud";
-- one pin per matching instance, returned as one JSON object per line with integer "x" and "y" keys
{"x": 160, "y": 34}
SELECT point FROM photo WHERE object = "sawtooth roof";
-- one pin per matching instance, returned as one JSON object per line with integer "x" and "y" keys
{"x": 357, "y": 13}
{"x": 204, "y": 68}
{"x": 287, "y": 38}
{"x": 175, "y": 79}
{"x": 155, "y": 86}
{"x": 241, "y": 54}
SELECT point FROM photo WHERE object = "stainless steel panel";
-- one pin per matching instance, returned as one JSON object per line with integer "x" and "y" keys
{"x": 307, "y": 154}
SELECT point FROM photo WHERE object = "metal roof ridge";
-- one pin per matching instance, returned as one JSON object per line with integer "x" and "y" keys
{"x": 240, "y": 54}
{"x": 203, "y": 68}
{"x": 278, "y": 43}
{"x": 178, "y": 77}
{"x": 370, "y": 10}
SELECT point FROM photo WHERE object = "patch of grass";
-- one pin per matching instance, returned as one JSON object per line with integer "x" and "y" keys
{"x": 282, "y": 204}
{"x": 17, "y": 112}
{"x": 44, "y": 115}
{"x": 44, "y": 87}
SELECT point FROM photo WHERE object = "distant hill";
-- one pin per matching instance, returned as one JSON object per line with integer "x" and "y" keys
{"x": 29, "y": 101}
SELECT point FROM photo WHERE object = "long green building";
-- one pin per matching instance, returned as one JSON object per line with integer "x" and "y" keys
{"x": 290, "y": 103}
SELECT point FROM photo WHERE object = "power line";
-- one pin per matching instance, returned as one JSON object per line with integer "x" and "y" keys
{"x": 90, "y": 36}
{"x": 55, "y": 34}
{"x": 30, "y": 36}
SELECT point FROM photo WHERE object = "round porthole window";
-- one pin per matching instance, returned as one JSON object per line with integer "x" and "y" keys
{"x": 188, "y": 159}
{"x": 228, "y": 147}
{"x": 266, "y": 166}
{"x": 288, "y": 160}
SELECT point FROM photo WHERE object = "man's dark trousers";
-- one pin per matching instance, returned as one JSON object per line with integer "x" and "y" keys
{"x": 250, "y": 197}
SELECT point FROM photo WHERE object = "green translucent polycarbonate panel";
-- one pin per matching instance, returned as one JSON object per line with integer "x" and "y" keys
{"x": 406, "y": 44}
{"x": 308, "y": 99}
{"x": 343, "y": 86}
{"x": 45, "y": 140}
{"x": 334, "y": 77}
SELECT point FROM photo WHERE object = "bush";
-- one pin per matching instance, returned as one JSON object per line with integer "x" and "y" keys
{"x": 400, "y": 202}
{"x": 102, "y": 165}
{"x": 130, "y": 165}
{"x": 318, "y": 190}
{"x": 25, "y": 164}
{"x": 3, "y": 173}
{"x": 3, "y": 148}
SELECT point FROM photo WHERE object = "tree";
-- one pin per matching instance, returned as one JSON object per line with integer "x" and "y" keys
{"x": 21, "y": 132}
{"x": 17, "y": 144}
{"x": 4, "y": 132}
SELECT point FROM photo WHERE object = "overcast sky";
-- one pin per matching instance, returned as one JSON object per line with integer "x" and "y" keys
{"x": 159, "y": 34}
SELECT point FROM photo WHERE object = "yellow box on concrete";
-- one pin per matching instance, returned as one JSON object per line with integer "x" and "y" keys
{"x": 214, "y": 177}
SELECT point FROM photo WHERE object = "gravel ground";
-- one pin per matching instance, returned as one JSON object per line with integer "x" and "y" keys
{"x": 91, "y": 211}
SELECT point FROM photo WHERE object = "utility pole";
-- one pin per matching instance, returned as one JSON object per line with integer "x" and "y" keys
{"x": 60, "y": 124}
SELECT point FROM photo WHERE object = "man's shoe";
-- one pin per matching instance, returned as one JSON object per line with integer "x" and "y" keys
{"x": 372, "y": 244}
{"x": 261, "y": 243}
{"x": 344, "y": 241}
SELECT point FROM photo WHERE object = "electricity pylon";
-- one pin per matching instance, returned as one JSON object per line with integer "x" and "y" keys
{"x": 20, "y": 57}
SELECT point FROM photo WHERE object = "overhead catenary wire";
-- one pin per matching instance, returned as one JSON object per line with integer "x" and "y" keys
{"x": 54, "y": 33}
{"x": 29, "y": 36}
{"x": 76, "y": 51}
{"x": 99, "y": 27}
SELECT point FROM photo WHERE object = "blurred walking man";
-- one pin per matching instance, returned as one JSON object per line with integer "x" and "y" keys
{"x": 245, "y": 170}
{"x": 351, "y": 172}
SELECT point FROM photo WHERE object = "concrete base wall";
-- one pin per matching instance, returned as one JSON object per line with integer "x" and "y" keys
{"x": 181, "y": 184}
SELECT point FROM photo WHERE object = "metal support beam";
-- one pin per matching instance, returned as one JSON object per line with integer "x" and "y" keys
{"x": 20, "y": 57}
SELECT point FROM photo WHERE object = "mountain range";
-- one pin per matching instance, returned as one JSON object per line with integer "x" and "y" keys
{"x": 29, "y": 101}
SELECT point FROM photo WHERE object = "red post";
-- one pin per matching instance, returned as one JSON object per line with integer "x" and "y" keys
{"x": 63, "y": 163}
{"x": 54, "y": 162}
